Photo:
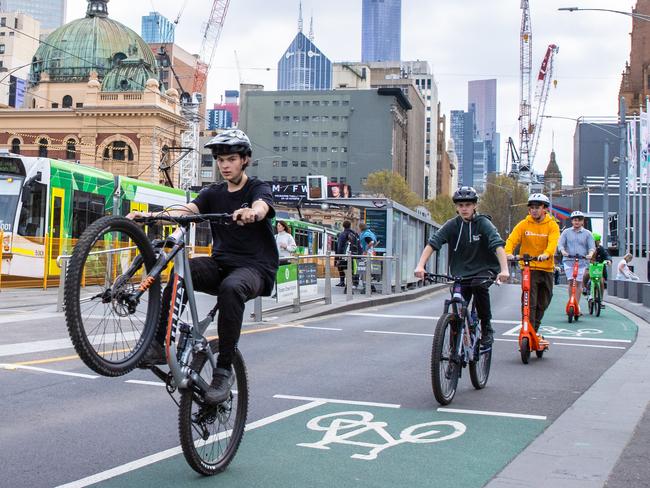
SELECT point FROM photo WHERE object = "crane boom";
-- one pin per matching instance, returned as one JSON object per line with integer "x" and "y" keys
{"x": 211, "y": 33}
{"x": 525, "y": 68}
{"x": 544, "y": 80}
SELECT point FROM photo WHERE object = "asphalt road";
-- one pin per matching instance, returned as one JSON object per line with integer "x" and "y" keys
{"x": 57, "y": 429}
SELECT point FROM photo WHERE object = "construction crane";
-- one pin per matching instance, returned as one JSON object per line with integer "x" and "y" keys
{"x": 544, "y": 82}
{"x": 190, "y": 105}
{"x": 525, "y": 67}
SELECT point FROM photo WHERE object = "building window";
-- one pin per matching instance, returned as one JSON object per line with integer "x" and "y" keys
{"x": 315, "y": 103}
{"x": 285, "y": 164}
{"x": 294, "y": 178}
{"x": 206, "y": 173}
{"x": 334, "y": 179}
{"x": 3, "y": 22}
{"x": 335, "y": 103}
{"x": 295, "y": 148}
{"x": 335, "y": 118}
{"x": 42, "y": 148}
{"x": 324, "y": 134}
{"x": 314, "y": 133}
{"x": 296, "y": 103}
{"x": 276, "y": 118}
{"x": 323, "y": 149}
{"x": 326, "y": 103}
{"x": 67, "y": 101}
{"x": 15, "y": 146}
{"x": 305, "y": 102}
{"x": 276, "y": 133}
{"x": 295, "y": 133}
{"x": 335, "y": 149}
{"x": 294, "y": 164}
{"x": 80, "y": 105}
{"x": 344, "y": 179}
{"x": 323, "y": 164}
{"x": 283, "y": 178}
{"x": 55, "y": 105}
{"x": 314, "y": 164}
{"x": 345, "y": 102}
{"x": 303, "y": 164}
{"x": 71, "y": 150}
{"x": 335, "y": 134}
{"x": 303, "y": 179}
{"x": 314, "y": 149}
{"x": 304, "y": 149}
{"x": 118, "y": 151}
{"x": 335, "y": 164}
{"x": 275, "y": 179}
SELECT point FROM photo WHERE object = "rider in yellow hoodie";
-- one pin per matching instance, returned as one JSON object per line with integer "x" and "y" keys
{"x": 537, "y": 235}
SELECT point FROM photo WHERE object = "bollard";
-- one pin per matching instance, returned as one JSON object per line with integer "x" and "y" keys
{"x": 296, "y": 301}
{"x": 328, "y": 280}
{"x": 258, "y": 309}
{"x": 64, "y": 270}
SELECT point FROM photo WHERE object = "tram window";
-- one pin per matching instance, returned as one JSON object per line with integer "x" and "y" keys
{"x": 32, "y": 214}
{"x": 203, "y": 235}
{"x": 86, "y": 208}
{"x": 126, "y": 207}
{"x": 301, "y": 238}
{"x": 155, "y": 231}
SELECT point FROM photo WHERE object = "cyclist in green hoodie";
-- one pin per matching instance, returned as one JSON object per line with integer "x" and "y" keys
{"x": 475, "y": 249}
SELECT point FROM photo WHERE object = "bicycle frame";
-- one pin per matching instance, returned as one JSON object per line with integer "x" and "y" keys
{"x": 464, "y": 348}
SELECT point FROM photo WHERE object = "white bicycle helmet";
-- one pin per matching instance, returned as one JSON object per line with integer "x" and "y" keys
{"x": 577, "y": 214}
{"x": 539, "y": 198}
{"x": 232, "y": 141}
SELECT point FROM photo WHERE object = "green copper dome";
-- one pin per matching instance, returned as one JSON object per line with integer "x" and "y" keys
{"x": 94, "y": 43}
{"x": 130, "y": 75}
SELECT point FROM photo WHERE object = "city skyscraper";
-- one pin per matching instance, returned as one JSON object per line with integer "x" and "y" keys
{"x": 482, "y": 99}
{"x": 381, "y": 28}
{"x": 157, "y": 28}
{"x": 303, "y": 66}
{"x": 462, "y": 132}
{"x": 50, "y": 13}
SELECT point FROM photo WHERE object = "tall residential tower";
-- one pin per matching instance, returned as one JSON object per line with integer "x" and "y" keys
{"x": 482, "y": 99}
{"x": 50, "y": 13}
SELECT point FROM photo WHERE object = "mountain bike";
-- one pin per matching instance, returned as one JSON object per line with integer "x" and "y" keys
{"x": 596, "y": 278}
{"x": 572, "y": 306}
{"x": 528, "y": 338}
{"x": 112, "y": 306}
{"x": 456, "y": 342}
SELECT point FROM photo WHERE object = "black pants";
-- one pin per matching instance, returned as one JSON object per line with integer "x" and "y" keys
{"x": 234, "y": 288}
{"x": 541, "y": 292}
{"x": 481, "y": 294}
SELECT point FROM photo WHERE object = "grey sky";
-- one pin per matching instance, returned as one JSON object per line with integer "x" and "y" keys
{"x": 461, "y": 39}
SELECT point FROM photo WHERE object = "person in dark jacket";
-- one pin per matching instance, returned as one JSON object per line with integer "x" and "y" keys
{"x": 347, "y": 243}
{"x": 600, "y": 256}
{"x": 475, "y": 249}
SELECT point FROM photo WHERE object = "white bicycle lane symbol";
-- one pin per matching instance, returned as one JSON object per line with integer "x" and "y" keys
{"x": 343, "y": 426}
{"x": 548, "y": 330}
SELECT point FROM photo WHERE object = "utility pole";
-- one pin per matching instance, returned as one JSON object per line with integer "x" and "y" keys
{"x": 605, "y": 235}
{"x": 622, "y": 180}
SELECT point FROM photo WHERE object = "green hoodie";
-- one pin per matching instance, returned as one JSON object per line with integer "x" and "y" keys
{"x": 472, "y": 245}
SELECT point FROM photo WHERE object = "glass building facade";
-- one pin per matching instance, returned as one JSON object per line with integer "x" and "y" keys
{"x": 381, "y": 28}
{"x": 304, "y": 67}
{"x": 482, "y": 99}
{"x": 50, "y": 13}
{"x": 157, "y": 29}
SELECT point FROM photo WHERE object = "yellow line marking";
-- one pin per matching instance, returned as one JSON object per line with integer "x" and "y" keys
{"x": 73, "y": 357}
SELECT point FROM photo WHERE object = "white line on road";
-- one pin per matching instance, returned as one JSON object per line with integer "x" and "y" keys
{"x": 507, "y": 340}
{"x": 331, "y": 400}
{"x": 312, "y": 327}
{"x": 493, "y": 414}
{"x": 12, "y": 367}
{"x": 586, "y": 345}
{"x": 419, "y": 317}
{"x": 515, "y": 332}
{"x": 397, "y": 333}
{"x": 161, "y": 456}
{"x": 147, "y": 383}
{"x": 26, "y": 316}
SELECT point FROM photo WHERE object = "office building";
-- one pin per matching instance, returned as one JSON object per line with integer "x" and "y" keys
{"x": 462, "y": 132}
{"x": 342, "y": 134}
{"x": 50, "y": 13}
{"x": 157, "y": 29}
{"x": 381, "y": 27}
{"x": 225, "y": 115}
{"x": 16, "y": 54}
{"x": 482, "y": 99}
{"x": 303, "y": 66}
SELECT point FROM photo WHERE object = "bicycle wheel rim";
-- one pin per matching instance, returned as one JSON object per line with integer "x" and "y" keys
{"x": 481, "y": 368}
{"x": 110, "y": 334}
{"x": 210, "y": 435}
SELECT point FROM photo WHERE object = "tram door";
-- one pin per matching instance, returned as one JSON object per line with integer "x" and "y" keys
{"x": 54, "y": 246}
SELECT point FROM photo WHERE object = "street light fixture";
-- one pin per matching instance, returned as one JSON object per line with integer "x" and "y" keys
{"x": 622, "y": 12}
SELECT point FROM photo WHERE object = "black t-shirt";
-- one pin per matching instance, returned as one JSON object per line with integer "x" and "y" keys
{"x": 251, "y": 245}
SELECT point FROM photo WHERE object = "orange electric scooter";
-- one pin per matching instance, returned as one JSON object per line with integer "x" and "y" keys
{"x": 528, "y": 338}
{"x": 572, "y": 306}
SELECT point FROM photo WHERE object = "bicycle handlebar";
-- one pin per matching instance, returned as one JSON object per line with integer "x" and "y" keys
{"x": 462, "y": 279}
{"x": 216, "y": 218}
{"x": 576, "y": 256}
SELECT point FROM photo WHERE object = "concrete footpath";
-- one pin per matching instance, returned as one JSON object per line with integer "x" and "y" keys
{"x": 601, "y": 440}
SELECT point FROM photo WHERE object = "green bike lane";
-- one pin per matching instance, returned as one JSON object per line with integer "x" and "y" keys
{"x": 359, "y": 444}
{"x": 332, "y": 442}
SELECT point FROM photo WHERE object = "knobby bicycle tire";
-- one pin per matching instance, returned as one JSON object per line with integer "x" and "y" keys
{"x": 479, "y": 370}
{"x": 599, "y": 302}
{"x": 444, "y": 372}
{"x": 196, "y": 419}
{"x": 128, "y": 347}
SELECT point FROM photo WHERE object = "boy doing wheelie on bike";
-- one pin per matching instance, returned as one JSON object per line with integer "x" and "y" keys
{"x": 244, "y": 258}
{"x": 537, "y": 235}
{"x": 475, "y": 249}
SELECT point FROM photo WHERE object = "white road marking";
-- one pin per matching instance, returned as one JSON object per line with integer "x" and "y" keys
{"x": 312, "y": 327}
{"x": 160, "y": 456}
{"x": 418, "y": 317}
{"x": 506, "y": 340}
{"x": 515, "y": 332}
{"x": 493, "y": 414}
{"x": 586, "y": 345}
{"x": 26, "y": 316}
{"x": 147, "y": 383}
{"x": 13, "y": 367}
{"x": 397, "y": 333}
{"x": 332, "y": 400}
{"x": 35, "y": 346}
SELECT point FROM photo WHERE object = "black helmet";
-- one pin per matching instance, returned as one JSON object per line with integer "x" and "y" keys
{"x": 465, "y": 194}
{"x": 232, "y": 141}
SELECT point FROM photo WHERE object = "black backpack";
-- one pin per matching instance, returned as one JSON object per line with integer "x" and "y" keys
{"x": 354, "y": 244}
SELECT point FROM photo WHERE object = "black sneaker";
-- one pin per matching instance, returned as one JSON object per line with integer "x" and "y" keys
{"x": 487, "y": 338}
{"x": 222, "y": 380}
{"x": 342, "y": 283}
{"x": 155, "y": 356}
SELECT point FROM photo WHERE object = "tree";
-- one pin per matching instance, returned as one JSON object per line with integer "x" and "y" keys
{"x": 505, "y": 201}
{"x": 391, "y": 185}
{"x": 442, "y": 208}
